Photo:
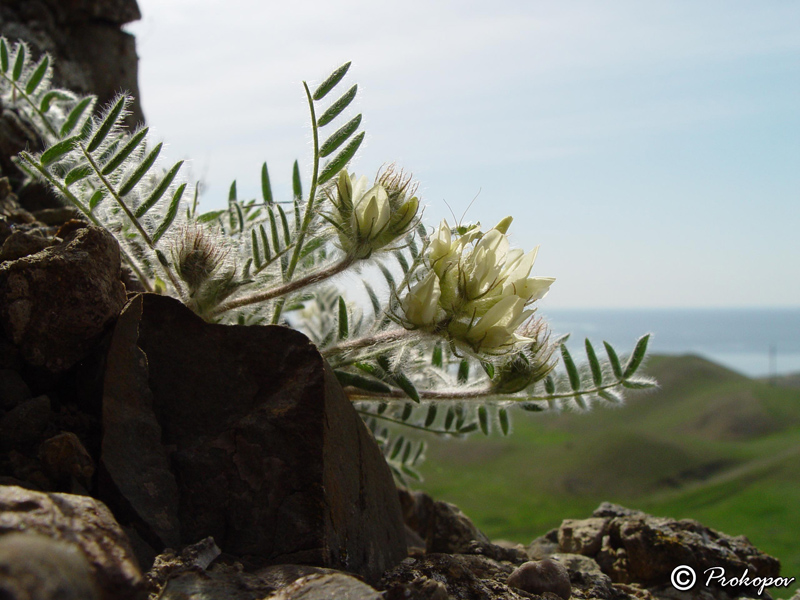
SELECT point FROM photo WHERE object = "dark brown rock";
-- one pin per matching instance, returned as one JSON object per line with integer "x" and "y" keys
{"x": 20, "y": 244}
{"x": 40, "y": 568}
{"x": 55, "y": 305}
{"x": 25, "y": 424}
{"x": 538, "y": 577}
{"x": 268, "y": 454}
{"x": 323, "y": 586}
{"x": 464, "y": 577}
{"x": 83, "y": 522}
{"x": 65, "y": 458}
{"x": 638, "y": 548}
{"x": 221, "y": 582}
{"x": 444, "y": 528}
{"x": 13, "y": 390}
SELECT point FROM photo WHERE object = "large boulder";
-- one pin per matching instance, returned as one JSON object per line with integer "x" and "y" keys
{"x": 58, "y": 522}
{"x": 242, "y": 434}
{"x": 55, "y": 304}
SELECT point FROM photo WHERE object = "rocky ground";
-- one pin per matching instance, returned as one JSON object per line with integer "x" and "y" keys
{"x": 145, "y": 453}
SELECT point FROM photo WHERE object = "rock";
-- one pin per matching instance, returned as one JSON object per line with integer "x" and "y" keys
{"x": 56, "y": 304}
{"x": 221, "y": 582}
{"x": 328, "y": 585}
{"x": 25, "y": 424}
{"x": 194, "y": 557}
{"x": 80, "y": 521}
{"x": 13, "y": 390}
{"x": 538, "y": 577}
{"x": 446, "y": 529}
{"x": 65, "y": 458}
{"x": 20, "y": 244}
{"x": 57, "y": 216}
{"x": 242, "y": 434}
{"x": 582, "y": 536}
{"x": 544, "y": 546}
{"x": 41, "y": 568}
{"x": 463, "y": 576}
{"x": 638, "y": 548}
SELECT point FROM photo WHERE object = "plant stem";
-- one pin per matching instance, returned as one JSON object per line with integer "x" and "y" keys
{"x": 148, "y": 240}
{"x": 88, "y": 213}
{"x": 284, "y": 289}
{"x": 35, "y": 108}
{"x": 308, "y": 214}
{"x": 392, "y": 336}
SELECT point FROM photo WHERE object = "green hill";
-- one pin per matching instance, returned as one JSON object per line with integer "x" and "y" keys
{"x": 710, "y": 444}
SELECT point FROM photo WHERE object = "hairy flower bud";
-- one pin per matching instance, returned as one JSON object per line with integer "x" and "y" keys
{"x": 421, "y": 304}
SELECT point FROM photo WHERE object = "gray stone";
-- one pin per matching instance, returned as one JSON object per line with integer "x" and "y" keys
{"x": 35, "y": 567}
{"x": 64, "y": 458}
{"x": 538, "y": 577}
{"x": 268, "y": 454}
{"x": 80, "y": 521}
{"x": 56, "y": 304}
{"x": 221, "y": 582}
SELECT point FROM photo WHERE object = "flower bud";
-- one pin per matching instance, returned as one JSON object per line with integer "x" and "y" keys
{"x": 421, "y": 304}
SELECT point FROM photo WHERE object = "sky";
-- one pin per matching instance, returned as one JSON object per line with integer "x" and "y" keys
{"x": 651, "y": 149}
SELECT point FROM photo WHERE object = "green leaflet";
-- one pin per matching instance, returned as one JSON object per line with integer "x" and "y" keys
{"x": 483, "y": 419}
{"x": 636, "y": 356}
{"x": 140, "y": 171}
{"x": 463, "y": 371}
{"x": 59, "y": 150}
{"x": 364, "y": 383}
{"x": 3, "y": 55}
{"x": 172, "y": 212}
{"x": 115, "y": 161}
{"x": 76, "y": 174}
{"x": 341, "y": 159}
{"x": 505, "y": 424}
{"x": 373, "y": 298}
{"x": 50, "y": 97}
{"x": 614, "y": 360}
{"x": 159, "y": 191}
{"x": 19, "y": 63}
{"x": 109, "y": 122}
{"x": 431, "y": 416}
{"x": 38, "y": 75}
{"x": 297, "y": 186}
{"x": 330, "y": 82}
{"x": 266, "y": 188}
{"x": 594, "y": 364}
{"x": 337, "y": 107}
{"x": 340, "y": 136}
{"x": 344, "y": 328}
{"x": 572, "y": 370}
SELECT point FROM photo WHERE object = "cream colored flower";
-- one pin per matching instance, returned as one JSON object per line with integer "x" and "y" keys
{"x": 421, "y": 304}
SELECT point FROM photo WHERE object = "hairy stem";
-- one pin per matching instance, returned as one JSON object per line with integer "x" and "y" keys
{"x": 284, "y": 289}
{"x": 308, "y": 214}
{"x": 386, "y": 337}
{"x": 35, "y": 108}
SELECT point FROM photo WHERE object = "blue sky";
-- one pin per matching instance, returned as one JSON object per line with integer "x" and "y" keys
{"x": 652, "y": 149}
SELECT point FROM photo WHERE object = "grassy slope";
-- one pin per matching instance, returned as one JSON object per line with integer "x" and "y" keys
{"x": 711, "y": 445}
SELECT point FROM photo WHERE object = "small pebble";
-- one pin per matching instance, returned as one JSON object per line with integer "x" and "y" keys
{"x": 540, "y": 576}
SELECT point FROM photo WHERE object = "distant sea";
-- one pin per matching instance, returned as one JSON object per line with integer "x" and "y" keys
{"x": 756, "y": 342}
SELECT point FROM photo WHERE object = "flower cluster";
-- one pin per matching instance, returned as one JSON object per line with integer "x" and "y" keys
{"x": 476, "y": 289}
{"x": 369, "y": 218}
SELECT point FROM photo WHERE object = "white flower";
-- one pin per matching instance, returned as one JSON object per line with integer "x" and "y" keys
{"x": 495, "y": 331}
{"x": 371, "y": 212}
{"x": 421, "y": 304}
